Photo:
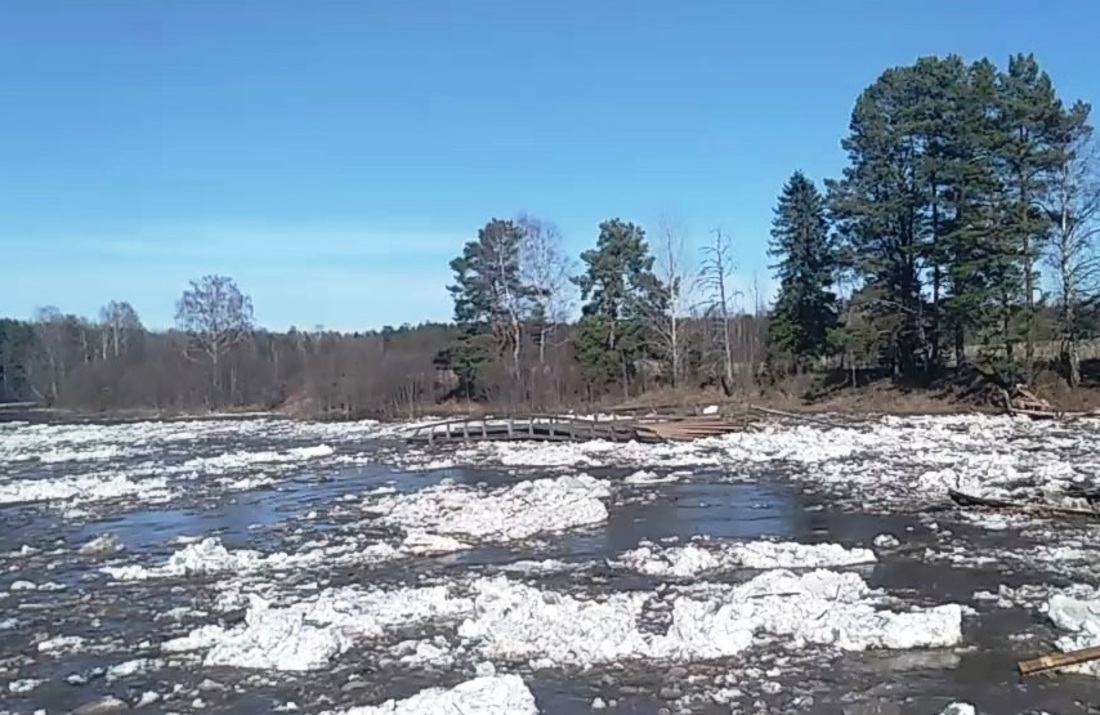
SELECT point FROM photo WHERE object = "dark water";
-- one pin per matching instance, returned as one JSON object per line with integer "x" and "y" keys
{"x": 122, "y": 618}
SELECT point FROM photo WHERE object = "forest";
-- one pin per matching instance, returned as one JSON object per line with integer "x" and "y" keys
{"x": 960, "y": 235}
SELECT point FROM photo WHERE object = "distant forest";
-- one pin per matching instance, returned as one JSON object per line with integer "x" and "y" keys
{"x": 961, "y": 234}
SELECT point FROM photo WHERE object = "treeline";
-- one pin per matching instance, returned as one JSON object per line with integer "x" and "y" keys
{"x": 961, "y": 232}
{"x": 216, "y": 359}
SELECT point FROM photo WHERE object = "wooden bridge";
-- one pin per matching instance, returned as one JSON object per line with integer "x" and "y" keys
{"x": 567, "y": 428}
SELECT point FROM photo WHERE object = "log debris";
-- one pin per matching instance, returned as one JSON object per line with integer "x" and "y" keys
{"x": 1053, "y": 661}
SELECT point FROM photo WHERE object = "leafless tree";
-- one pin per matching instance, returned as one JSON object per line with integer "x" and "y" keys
{"x": 715, "y": 283}
{"x": 120, "y": 323}
{"x": 671, "y": 270}
{"x": 216, "y": 316}
{"x": 509, "y": 298}
{"x": 52, "y": 338}
{"x": 1074, "y": 211}
{"x": 545, "y": 268}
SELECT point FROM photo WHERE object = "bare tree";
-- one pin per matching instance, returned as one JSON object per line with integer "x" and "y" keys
{"x": 509, "y": 299}
{"x": 120, "y": 323}
{"x": 759, "y": 314}
{"x": 715, "y": 279}
{"x": 52, "y": 337}
{"x": 545, "y": 268}
{"x": 671, "y": 270}
{"x": 216, "y": 317}
{"x": 1074, "y": 211}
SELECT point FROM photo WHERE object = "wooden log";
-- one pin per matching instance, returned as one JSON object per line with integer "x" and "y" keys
{"x": 1045, "y": 663}
{"x": 793, "y": 416}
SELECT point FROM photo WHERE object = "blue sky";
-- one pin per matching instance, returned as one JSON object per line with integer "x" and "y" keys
{"x": 333, "y": 155}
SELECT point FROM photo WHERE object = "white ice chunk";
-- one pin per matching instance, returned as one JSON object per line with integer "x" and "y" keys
{"x": 703, "y": 556}
{"x": 489, "y": 695}
{"x": 513, "y": 513}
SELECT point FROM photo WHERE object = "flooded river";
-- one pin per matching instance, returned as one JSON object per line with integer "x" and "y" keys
{"x": 254, "y": 566}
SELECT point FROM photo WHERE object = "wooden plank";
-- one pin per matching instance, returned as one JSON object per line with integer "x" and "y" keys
{"x": 1058, "y": 660}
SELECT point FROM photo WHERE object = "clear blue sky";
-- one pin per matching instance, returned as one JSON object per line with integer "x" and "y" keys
{"x": 333, "y": 155}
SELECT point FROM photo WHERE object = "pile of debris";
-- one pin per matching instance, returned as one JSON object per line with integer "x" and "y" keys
{"x": 1020, "y": 400}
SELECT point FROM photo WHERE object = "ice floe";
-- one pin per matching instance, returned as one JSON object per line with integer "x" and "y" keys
{"x": 508, "y": 514}
{"x": 706, "y": 555}
{"x": 209, "y": 556}
{"x": 1079, "y": 619}
{"x": 307, "y": 635}
{"x": 514, "y": 621}
{"x": 70, "y": 465}
{"x": 486, "y": 695}
{"x": 505, "y": 620}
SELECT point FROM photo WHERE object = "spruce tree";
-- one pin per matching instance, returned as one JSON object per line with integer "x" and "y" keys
{"x": 805, "y": 310}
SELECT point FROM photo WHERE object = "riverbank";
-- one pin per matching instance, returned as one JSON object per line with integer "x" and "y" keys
{"x": 807, "y": 396}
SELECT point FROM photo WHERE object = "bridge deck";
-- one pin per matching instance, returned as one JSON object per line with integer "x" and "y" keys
{"x": 563, "y": 428}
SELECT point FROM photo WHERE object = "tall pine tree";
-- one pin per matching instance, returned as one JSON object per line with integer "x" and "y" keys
{"x": 805, "y": 310}
{"x": 941, "y": 209}
{"x": 490, "y": 306}
{"x": 621, "y": 293}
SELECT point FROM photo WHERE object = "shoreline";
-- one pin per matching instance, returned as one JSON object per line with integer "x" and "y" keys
{"x": 922, "y": 406}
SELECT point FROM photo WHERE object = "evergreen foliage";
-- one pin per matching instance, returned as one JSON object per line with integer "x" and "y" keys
{"x": 805, "y": 311}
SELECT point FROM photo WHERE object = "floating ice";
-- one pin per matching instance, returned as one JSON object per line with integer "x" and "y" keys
{"x": 209, "y": 556}
{"x": 487, "y": 695}
{"x": 883, "y": 462}
{"x": 307, "y": 635}
{"x": 959, "y": 709}
{"x": 513, "y": 621}
{"x": 513, "y": 513}
{"x": 703, "y": 556}
{"x": 1081, "y": 618}
{"x": 69, "y": 465}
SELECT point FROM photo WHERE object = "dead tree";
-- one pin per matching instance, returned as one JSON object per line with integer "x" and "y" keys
{"x": 715, "y": 283}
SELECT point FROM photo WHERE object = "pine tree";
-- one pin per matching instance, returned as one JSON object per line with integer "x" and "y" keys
{"x": 1029, "y": 119}
{"x": 940, "y": 208}
{"x": 876, "y": 207}
{"x": 490, "y": 306}
{"x": 619, "y": 290}
{"x": 805, "y": 310}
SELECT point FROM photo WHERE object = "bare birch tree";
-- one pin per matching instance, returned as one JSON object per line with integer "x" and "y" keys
{"x": 1074, "y": 211}
{"x": 545, "y": 269}
{"x": 715, "y": 282}
{"x": 52, "y": 338}
{"x": 509, "y": 300}
{"x": 671, "y": 270}
{"x": 120, "y": 324}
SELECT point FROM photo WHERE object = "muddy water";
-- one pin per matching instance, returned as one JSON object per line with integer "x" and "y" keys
{"x": 121, "y": 622}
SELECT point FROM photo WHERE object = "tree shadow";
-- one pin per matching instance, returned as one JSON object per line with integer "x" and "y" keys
{"x": 1090, "y": 373}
